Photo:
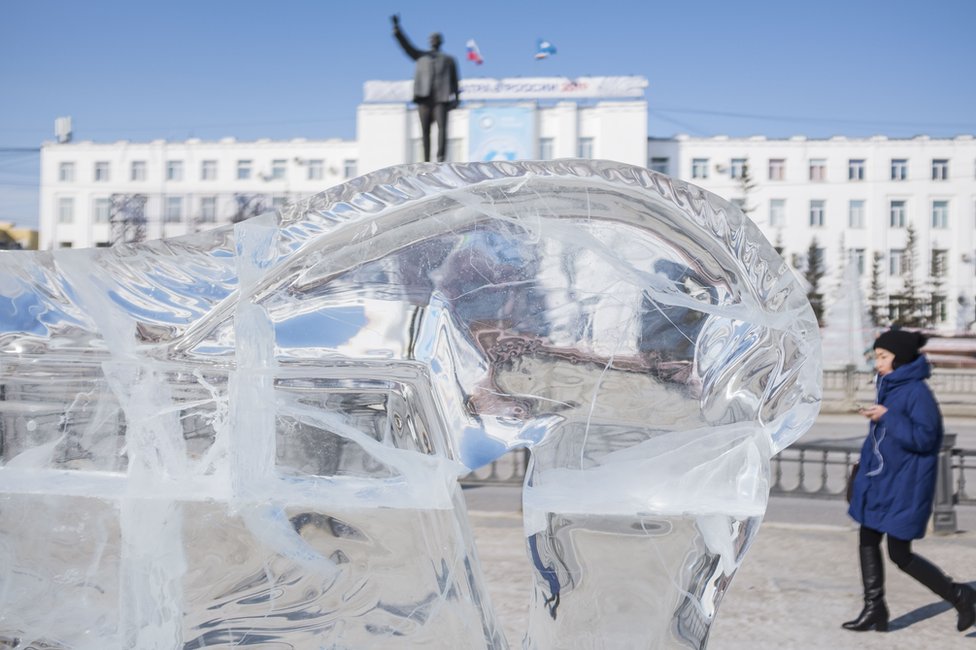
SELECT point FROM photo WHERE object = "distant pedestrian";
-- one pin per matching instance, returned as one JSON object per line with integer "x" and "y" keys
{"x": 893, "y": 491}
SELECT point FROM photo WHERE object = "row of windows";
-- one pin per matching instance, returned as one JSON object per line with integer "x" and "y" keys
{"x": 174, "y": 170}
{"x": 896, "y": 262}
{"x": 856, "y": 213}
{"x": 738, "y": 168}
{"x": 174, "y": 208}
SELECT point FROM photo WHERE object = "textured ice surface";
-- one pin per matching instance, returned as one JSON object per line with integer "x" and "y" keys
{"x": 252, "y": 436}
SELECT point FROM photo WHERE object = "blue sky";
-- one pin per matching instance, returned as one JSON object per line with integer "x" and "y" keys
{"x": 127, "y": 69}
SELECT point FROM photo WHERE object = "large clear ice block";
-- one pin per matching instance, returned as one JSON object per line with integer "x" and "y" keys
{"x": 253, "y": 435}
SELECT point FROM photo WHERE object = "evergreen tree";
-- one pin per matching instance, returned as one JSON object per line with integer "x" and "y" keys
{"x": 937, "y": 273}
{"x": 912, "y": 302}
{"x": 746, "y": 186}
{"x": 813, "y": 274}
{"x": 878, "y": 298}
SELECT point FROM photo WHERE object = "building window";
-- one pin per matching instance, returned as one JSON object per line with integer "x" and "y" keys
{"x": 350, "y": 168}
{"x": 174, "y": 170}
{"x": 940, "y": 169}
{"x": 896, "y": 213}
{"x": 860, "y": 259}
{"x": 940, "y": 214}
{"x": 818, "y": 169}
{"x": 777, "y": 213}
{"x": 101, "y": 210}
{"x": 173, "y": 210}
{"x": 64, "y": 244}
{"x": 103, "y": 244}
{"x": 66, "y": 210}
{"x": 661, "y": 165}
{"x": 817, "y": 213}
{"x": 855, "y": 214}
{"x": 101, "y": 172}
{"x": 66, "y": 172}
{"x": 855, "y": 170}
{"x": 208, "y": 209}
{"x": 277, "y": 169}
{"x": 940, "y": 262}
{"x": 940, "y": 309}
{"x": 546, "y": 149}
{"x": 316, "y": 169}
{"x": 137, "y": 171}
{"x": 208, "y": 170}
{"x": 777, "y": 169}
{"x": 896, "y": 261}
{"x": 899, "y": 169}
{"x": 585, "y": 148}
{"x": 243, "y": 170}
{"x": 699, "y": 168}
{"x": 737, "y": 168}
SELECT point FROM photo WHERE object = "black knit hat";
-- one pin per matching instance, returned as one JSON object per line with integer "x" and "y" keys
{"x": 903, "y": 344}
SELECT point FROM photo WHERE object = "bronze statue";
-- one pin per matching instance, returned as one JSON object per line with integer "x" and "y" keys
{"x": 435, "y": 87}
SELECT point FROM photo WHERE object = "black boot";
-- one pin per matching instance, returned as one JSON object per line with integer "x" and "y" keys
{"x": 875, "y": 612}
{"x": 961, "y": 596}
{"x": 964, "y": 600}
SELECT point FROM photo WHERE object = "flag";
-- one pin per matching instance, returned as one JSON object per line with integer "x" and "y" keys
{"x": 474, "y": 54}
{"x": 544, "y": 48}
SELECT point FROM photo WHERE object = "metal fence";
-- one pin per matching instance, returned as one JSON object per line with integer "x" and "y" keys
{"x": 856, "y": 384}
{"x": 807, "y": 470}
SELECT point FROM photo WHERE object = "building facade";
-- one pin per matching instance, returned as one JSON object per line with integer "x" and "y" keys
{"x": 853, "y": 197}
{"x": 859, "y": 195}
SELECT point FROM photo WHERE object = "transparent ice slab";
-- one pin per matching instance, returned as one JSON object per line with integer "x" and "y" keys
{"x": 253, "y": 435}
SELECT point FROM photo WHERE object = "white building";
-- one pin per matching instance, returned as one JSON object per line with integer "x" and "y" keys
{"x": 854, "y": 194}
{"x": 858, "y": 194}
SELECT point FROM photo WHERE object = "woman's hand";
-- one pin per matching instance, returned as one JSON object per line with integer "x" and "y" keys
{"x": 873, "y": 412}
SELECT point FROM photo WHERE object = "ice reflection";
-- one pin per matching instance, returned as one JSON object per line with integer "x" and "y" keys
{"x": 253, "y": 435}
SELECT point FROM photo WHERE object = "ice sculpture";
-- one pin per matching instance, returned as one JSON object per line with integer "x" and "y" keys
{"x": 252, "y": 436}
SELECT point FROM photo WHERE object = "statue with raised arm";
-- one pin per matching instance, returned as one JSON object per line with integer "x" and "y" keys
{"x": 435, "y": 87}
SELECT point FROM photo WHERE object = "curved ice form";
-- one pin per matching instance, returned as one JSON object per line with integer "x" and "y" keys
{"x": 253, "y": 435}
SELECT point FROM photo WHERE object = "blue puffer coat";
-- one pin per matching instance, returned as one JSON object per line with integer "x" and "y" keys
{"x": 894, "y": 488}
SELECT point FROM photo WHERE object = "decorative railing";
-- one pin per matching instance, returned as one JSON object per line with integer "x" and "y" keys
{"x": 816, "y": 470}
{"x": 948, "y": 384}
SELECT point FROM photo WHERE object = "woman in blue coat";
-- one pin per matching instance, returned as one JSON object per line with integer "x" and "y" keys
{"x": 894, "y": 487}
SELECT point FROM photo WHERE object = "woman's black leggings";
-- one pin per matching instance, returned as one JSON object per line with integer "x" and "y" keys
{"x": 899, "y": 550}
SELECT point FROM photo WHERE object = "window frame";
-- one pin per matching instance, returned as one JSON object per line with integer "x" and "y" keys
{"x": 245, "y": 169}
{"x": 168, "y": 213}
{"x": 102, "y": 172}
{"x": 899, "y": 169}
{"x": 817, "y": 170}
{"x": 858, "y": 213}
{"x": 897, "y": 207}
{"x": 66, "y": 172}
{"x": 699, "y": 168}
{"x": 818, "y": 213}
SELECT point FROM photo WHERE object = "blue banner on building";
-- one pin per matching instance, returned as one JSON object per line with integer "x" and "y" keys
{"x": 502, "y": 133}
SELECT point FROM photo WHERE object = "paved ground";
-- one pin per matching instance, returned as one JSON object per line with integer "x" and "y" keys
{"x": 799, "y": 581}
